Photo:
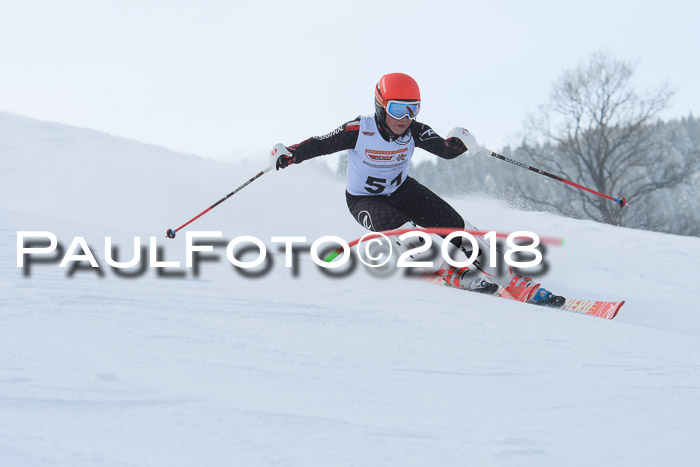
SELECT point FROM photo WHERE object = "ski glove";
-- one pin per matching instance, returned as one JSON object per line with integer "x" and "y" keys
{"x": 283, "y": 158}
{"x": 467, "y": 138}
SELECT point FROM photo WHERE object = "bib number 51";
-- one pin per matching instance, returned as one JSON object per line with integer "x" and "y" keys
{"x": 376, "y": 185}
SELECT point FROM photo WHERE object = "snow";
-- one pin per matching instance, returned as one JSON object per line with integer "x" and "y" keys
{"x": 221, "y": 369}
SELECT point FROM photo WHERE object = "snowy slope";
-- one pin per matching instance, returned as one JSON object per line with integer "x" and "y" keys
{"x": 222, "y": 369}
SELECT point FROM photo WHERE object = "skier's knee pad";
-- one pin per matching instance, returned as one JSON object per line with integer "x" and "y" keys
{"x": 418, "y": 242}
{"x": 410, "y": 243}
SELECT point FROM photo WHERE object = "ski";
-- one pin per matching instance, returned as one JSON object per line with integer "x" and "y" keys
{"x": 519, "y": 289}
{"x": 524, "y": 292}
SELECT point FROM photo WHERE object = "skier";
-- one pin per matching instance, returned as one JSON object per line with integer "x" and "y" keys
{"x": 379, "y": 192}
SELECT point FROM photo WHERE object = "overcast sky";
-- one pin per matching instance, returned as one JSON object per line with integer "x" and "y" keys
{"x": 229, "y": 79}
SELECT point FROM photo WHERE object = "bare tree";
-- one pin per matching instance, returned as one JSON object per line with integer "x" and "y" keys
{"x": 598, "y": 130}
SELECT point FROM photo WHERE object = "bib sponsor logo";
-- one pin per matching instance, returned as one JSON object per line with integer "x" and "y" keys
{"x": 398, "y": 155}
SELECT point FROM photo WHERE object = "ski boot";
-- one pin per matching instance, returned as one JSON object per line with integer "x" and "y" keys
{"x": 546, "y": 298}
{"x": 483, "y": 285}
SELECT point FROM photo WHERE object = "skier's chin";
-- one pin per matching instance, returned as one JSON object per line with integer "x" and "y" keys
{"x": 400, "y": 128}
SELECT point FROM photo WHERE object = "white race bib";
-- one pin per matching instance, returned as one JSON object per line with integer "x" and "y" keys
{"x": 377, "y": 166}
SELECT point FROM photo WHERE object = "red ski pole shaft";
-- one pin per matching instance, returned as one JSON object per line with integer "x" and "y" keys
{"x": 171, "y": 232}
{"x": 621, "y": 201}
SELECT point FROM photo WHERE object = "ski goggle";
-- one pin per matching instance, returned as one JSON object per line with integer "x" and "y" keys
{"x": 401, "y": 109}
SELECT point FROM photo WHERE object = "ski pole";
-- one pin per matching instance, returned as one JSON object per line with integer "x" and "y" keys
{"x": 622, "y": 202}
{"x": 171, "y": 232}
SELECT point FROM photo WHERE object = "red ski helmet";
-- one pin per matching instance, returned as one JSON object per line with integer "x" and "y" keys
{"x": 394, "y": 86}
